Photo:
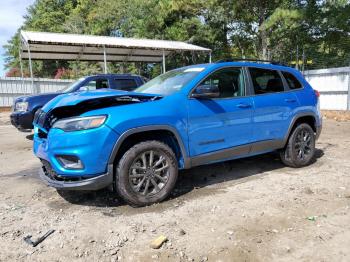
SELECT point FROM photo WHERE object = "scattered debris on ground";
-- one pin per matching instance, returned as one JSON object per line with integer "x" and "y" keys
{"x": 28, "y": 239}
{"x": 158, "y": 242}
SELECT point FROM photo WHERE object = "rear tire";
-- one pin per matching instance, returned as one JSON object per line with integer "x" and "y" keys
{"x": 146, "y": 174}
{"x": 300, "y": 148}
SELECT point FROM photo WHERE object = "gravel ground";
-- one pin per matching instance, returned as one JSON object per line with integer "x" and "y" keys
{"x": 253, "y": 209}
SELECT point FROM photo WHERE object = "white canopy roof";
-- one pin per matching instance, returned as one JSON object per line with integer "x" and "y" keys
{"x": 58, "y": 46}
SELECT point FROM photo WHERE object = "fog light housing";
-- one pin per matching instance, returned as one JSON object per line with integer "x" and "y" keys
{"x": 70, "y": 162}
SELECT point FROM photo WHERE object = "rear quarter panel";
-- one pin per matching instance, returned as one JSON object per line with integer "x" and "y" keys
{"x": 307, "y": 99}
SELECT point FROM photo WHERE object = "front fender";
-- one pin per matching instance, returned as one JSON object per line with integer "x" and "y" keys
{"x": 135, "y": 130}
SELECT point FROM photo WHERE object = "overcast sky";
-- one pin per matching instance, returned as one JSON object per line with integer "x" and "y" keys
{"x": 11, "y": 18}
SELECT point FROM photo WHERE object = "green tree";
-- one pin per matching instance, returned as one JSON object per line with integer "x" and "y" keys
{"x": 285, "y": 30}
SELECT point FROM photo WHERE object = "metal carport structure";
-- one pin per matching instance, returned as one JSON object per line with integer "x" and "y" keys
{"x": 77, "y": 47}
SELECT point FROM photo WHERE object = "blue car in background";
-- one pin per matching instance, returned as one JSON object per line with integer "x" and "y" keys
{"x": 135, "y": 142}
{"x": 25, "y": 107}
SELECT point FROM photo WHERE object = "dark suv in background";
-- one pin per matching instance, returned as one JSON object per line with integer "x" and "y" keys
{"x": 24, "y": 107}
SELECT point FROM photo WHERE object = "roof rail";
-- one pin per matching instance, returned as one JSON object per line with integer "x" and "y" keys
{"x": 250, "y": 60}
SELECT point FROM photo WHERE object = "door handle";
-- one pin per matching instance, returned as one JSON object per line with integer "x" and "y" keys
{"x": 290, "y": 100}
{"x": 241, "y": 105}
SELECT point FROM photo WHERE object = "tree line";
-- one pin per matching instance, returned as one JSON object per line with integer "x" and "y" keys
{"x": 307, "y": 34}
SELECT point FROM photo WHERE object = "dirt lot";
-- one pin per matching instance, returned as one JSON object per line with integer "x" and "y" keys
{"x": 252, "y": 209}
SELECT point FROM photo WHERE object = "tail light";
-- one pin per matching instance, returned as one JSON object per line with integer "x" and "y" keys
{"x": 317, "y": 93}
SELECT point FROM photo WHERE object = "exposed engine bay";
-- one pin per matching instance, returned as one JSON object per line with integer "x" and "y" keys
{"x": 46, "y": 119}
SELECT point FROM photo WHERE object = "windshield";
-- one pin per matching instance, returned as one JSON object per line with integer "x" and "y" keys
{"x": 170, "y": 82}
{"x": 72, "y": 86}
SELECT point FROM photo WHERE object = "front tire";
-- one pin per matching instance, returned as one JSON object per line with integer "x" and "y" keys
{"x": 146, "y": 174}
{"x": 300, "y": 148}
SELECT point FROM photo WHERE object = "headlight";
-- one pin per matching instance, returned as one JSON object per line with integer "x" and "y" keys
{"x": 21, "y": 106}
{"x": 79, "y": 123}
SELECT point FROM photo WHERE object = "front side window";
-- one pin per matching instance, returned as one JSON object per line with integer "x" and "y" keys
{"x": 229, "y": 81}
{"x": 96, "y": 84}
{"x": 292, "y": 81}
{"x": 266, "y": 81}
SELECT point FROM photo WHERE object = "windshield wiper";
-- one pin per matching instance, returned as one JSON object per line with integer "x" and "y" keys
{"x": 128, "y": 98}
{"x": 137, "y": 98}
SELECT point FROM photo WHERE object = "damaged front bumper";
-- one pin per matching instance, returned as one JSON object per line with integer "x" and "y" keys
{"x": 63, "y": 183}
{"x": 91, "y": 147}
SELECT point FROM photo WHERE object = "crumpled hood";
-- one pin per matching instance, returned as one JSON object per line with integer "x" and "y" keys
{"x": 75, "y": 98}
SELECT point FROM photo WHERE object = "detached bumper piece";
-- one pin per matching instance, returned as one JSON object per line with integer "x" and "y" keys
{"x": 51, "y": 178}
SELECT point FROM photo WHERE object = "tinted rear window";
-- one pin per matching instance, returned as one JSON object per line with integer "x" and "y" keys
{"x": 125, "y": 84}
{"x": 266, "y": 81}
{"x": 292, "y": 81}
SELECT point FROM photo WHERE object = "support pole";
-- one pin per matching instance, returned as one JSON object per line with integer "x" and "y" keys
{"x": 31, "y": 68}
{"x": 20, "y": 62}
{"x": 21, "y": 65}
{"x": 348, "y": 105}
{"x": 303, "y": 61}
{"x": 105, "y": 60}
{"x": 210, "y": 57}
{"x": 297, "y": 60}
{"x": 163, "y": 62}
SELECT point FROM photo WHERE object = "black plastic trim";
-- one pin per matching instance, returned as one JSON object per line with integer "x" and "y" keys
{"x": 267, "y": 145}
{"x": 295, "y": 118}
{"x": 94, "y": 183}
{"x": 220, "y": 155}
{"x": 251, "y": 148}
{"x": 318, "y": 131}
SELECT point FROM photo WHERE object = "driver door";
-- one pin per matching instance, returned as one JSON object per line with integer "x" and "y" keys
{"x": 219, "y": 128}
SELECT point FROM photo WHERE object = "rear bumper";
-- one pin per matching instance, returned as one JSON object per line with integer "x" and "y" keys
{"x": 22, "y": 120}
{"x": 92, "y": 183}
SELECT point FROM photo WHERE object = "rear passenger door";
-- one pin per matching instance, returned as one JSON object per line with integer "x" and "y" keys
{"x": 273, "y": 107}
{"x": 125, "y": 84}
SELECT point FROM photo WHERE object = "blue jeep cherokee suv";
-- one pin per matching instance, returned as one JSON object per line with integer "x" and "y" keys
{"x": 137, "y": 141}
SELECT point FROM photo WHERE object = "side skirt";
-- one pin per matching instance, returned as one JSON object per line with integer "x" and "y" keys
{"x": 237, "y": 152}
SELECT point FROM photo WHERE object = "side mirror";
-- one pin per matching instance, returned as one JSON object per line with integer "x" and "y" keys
{"x": 206, "y": 91}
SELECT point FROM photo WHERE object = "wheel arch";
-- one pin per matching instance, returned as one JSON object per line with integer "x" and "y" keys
{"x": 153, "y": 132}
{"x": 307, "y": 117}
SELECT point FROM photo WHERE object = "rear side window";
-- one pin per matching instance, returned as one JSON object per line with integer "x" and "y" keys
{"x": 266, "y": 81}
{"x": 125, "y": 84}
{"x": 292, "y": 81}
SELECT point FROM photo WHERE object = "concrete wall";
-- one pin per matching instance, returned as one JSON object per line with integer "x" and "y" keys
{"x": 334, "y": 86}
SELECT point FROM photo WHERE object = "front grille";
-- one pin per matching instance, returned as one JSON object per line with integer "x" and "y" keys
{"x": 43, "y": 119}
{"x": 39, "y": 118}
{"x": 50, "y": 173}
{"x": 42, "y": 134}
